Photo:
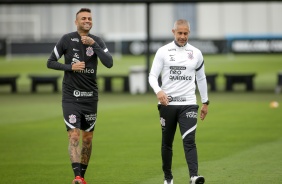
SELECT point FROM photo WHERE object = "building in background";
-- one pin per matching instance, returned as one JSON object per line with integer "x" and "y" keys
{"x": 127, "y": 22}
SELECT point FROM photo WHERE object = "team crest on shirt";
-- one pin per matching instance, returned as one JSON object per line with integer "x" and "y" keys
{"x": 72, "y": 118}
{"x": 190, "y": 54}
{"x": 89, "y": 51}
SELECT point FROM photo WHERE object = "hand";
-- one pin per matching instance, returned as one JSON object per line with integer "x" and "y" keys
{"x": 86, "y": 40}
{"x": 78, "y": 66}
{"x": 204, "y": 111}
{"x": 162, "y": 98}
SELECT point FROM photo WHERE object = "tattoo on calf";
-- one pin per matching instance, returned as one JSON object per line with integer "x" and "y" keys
{"x": 74, "y": 151}
{"x": 86, "y": 152}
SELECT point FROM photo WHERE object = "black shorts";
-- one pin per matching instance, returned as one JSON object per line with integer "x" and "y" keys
{"x": 80, "y": 115}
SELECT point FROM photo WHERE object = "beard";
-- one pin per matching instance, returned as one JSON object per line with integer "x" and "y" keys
{"x": 85, "y": 27}
{"x": 182, "y": 42}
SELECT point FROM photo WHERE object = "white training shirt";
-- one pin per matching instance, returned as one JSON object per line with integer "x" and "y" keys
{"x": 179, "y": 67}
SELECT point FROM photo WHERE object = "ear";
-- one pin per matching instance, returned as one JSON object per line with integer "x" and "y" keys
{"x": 76, "y": 23}
{"x": 173, "y": 31}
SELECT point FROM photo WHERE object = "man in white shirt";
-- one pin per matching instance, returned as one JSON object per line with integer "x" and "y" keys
{"x": 180, "y": 65}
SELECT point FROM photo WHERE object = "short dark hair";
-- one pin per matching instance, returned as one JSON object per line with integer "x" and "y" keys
{"x": 83, "y": 10}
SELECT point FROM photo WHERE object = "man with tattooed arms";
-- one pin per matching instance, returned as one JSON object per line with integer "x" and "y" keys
{"x": 81, "y": 51}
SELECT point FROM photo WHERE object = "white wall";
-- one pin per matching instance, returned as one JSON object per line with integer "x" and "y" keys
{"x": 220, "y": 19}
{"x": 128, "y": 21}
{"x": 161, "y": 20}
{"x": 120, "y": 21}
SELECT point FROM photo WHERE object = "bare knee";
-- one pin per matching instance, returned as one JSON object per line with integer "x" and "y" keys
{"x": 87, "y": 137}
{"x": 74, "y": 135}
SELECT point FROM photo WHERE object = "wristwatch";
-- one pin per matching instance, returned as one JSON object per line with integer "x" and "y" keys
{"x": 207, "y": 102}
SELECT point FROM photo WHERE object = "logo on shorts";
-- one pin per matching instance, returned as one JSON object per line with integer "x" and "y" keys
{"x": 89, "y": 51}
{"x": 162, "y": 120}
{"x": 90, "y": 117}
{"x": 72, "y": 118}
{"x": 77, "y": 93}
{"x": 191, "y": 114}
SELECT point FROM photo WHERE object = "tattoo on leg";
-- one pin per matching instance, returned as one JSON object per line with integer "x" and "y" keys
{"x": 86, "y": 152}
{"x": 74, "y": 149}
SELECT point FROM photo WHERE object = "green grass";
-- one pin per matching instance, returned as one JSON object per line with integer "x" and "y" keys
{"x": 239, "y": 142}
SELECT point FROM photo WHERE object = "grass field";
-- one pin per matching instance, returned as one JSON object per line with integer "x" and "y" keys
{"x": 239, "y": 142}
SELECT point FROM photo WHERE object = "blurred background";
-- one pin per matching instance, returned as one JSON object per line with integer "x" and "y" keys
{"x": 248, "y": 27}
{"x": 242, "y": 46}
{"x": 219, "y": 29}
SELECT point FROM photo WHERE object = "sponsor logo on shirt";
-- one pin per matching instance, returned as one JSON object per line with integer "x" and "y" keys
{"x": 176, "y": 71}
{"x": 182, "y": 77}
{"x": 172, "y": 58}
{"x": 86, "y": 70}
{"x": 177, "y": 67}
{"x": 176, "y": 99}
{"x": 76, "y": 55}
{"x": 75, "y": 39}
{"x": 74, "y": 60}
{"x": 78, "y": 93}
